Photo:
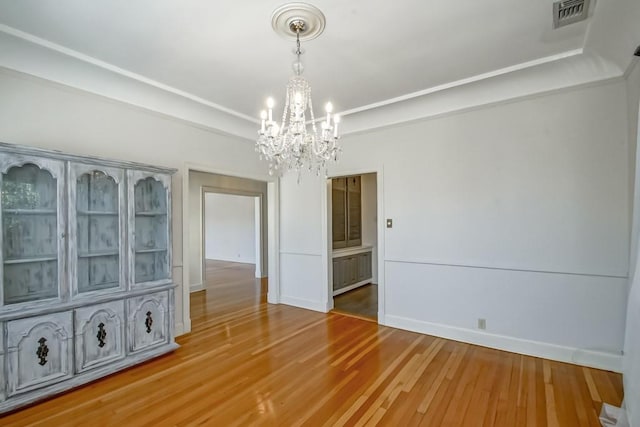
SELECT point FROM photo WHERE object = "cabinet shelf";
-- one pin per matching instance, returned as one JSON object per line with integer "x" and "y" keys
{"x": 105, "y": 213}
{"x": 42, "y": 258}
{"x": 151, "y": 213}
{"x": 150, "y": 251}
{"x": 101, "y": 285}
{"x": 97, "y": 254}
{"x": 29, "y": 211}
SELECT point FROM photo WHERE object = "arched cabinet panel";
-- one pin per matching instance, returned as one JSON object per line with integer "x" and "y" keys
{"x": 33, "y": 231}
{"x": 150, "y": 235}
{"x": 39, "y": 351}
{"x": 97, "y": 226}
{"x": 99, "y": 333}
{"x": 148, "y": 321}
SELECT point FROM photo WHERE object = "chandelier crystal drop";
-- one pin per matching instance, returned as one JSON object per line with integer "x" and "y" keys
{"x": 293, "y": 144}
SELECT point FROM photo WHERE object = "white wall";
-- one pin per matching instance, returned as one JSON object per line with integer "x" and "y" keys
{"x": 42, "y": 114}
{"x": 230, "y": 228}
{"x": 517, "y": 213}
{"x": 303, "y": 279}
{"x": 370, "y": 219}
{"x": 632, "y": 340}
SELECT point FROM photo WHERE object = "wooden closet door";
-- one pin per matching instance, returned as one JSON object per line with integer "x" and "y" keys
{"x": 354, "y": 211}
{"x": 339, "y": 212}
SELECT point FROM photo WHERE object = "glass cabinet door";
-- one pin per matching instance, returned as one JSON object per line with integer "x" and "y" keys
{"x": 149, "y": 210}
{"x": 96, "y": 223}
{"x": 32, "y": 229}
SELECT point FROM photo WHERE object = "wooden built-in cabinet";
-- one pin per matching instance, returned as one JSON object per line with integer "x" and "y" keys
{"x": 351, "y": 270}
{"x": 351, "y": 261}
{"x": 85, "y": 268}
{"x": 346, "y": 209}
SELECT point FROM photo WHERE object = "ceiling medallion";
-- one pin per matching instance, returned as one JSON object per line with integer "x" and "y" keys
{"x": 290, "y": 145}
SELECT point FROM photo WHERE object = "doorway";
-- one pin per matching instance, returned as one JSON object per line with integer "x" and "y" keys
{"x": 353, "y": 244}
{"x": 232, "y": 252}
{"x": 240, "y": 276}
{"x": 232, "y": 228}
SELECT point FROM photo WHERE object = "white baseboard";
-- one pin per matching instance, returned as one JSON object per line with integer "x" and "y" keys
{"x": 272, "y": 298}
{"x": 576, "y": 356}
{"x": 328, "y": 306}
{"x": 196, "y": 287}
{"x": 183, "y": 328}
{"x": 351, "y": 287}
{"x": 304, "y": 303}
{"x": 382, "y": 319}
{"x": 179, "y": 330}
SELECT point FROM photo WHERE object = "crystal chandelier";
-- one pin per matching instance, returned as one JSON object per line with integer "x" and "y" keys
{"x": 294, "y": 144}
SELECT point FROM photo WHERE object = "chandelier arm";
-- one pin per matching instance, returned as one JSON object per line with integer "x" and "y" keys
{"x": 313, "y": 117}
{"x": 284, "y": 113}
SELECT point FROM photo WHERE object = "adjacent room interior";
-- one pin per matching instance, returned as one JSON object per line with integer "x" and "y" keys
{"x": 444, "y": 231}
{"x": 354, "y": 236}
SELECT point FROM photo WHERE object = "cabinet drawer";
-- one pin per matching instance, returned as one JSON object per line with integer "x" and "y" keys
{"x": 39, "y": 352}
{"x": 148, "y": 317}
{"x": 99, "y": 333}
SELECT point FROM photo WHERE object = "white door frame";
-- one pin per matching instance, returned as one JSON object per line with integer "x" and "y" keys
{"x": 273, "y": 250}
{"x": 258, "y": 238}
{"x": 326, "y": 232}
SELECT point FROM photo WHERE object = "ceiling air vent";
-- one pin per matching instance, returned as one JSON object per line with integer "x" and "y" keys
{"x": 569, "y": 11}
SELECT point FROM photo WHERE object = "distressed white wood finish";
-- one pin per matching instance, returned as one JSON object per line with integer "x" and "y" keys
{"x": 134, "y": 177}
{"x": 59, "y": 155}
{"x": 148, "y": 321}
{"x": 39, "y": 352}
{"x": 68, "y": 324}
{"x": 56, "y": 169}
{"x": 94, "y": 350}
{"x": 2, "y": 370}
{"x": 26, "y": 398}
{"x": 76, "y": 170}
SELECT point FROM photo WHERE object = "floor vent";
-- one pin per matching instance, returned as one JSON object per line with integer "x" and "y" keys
{"x": 569, "y": 11}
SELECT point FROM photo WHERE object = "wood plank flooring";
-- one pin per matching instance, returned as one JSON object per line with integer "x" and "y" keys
{"x": 249, "y": 363}
{"x": 362, "y": 301}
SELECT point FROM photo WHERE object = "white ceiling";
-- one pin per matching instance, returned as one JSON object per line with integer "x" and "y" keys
{"x": 212, "y": 63}
{"x": 225, "y": 52}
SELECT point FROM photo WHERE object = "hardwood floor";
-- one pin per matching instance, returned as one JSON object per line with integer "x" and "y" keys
{"x": 362, "y": 302}
{"x": 249, "y": 363}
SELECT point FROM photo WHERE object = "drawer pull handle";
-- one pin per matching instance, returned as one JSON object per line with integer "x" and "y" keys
{"x": 102, "y": 334}
{"x": 42, "y": 351}
{"x": 148, "y": 322}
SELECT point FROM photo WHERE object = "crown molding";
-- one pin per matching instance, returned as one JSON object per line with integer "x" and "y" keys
{"x": 37, "y": 57}
{"x": 30, "y": 55}
{"x": 576, "y": 70}
{"x": 466, "y": 81}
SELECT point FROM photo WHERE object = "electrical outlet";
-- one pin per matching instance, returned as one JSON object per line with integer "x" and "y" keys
{"x": 482, "y": 323}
